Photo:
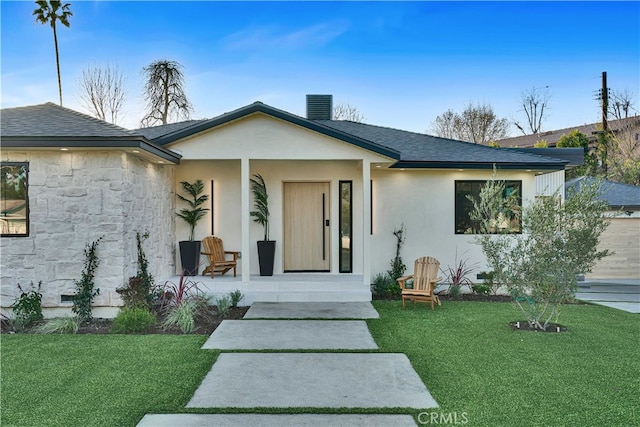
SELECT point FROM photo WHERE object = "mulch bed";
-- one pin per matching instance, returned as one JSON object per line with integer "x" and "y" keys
{"x": 205, "y": 324}
{"x": 523, "y": 325}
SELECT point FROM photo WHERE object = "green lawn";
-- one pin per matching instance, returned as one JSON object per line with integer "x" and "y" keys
{"x": 473, "y": 364}
{"x": 98, "y": 380}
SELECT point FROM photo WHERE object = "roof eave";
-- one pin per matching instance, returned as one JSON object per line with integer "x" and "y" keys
{"x": 74, "y": 142}
{"x": 478, "y": 165}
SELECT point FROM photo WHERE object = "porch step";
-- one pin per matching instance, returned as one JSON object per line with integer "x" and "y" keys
{"x": 308, "y": 296}
{"x": 287, "y": 288}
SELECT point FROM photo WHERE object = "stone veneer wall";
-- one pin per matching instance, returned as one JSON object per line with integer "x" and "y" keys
{"x": 75, "y": 198}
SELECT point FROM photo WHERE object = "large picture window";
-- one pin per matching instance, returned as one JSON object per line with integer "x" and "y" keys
{"x": 14, "y": 200}
{"x": 510, "y": 221}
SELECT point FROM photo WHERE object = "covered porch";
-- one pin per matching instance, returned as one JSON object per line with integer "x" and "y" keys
{"x": 319, "y": 192}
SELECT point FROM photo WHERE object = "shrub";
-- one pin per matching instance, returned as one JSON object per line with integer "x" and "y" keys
{"x": 223, "y": 303}
{"x": 85, "y": 292}
{"x": 182, "y": 316}
{"x": 384, "y": 287}
{"x": 489, "y": 284}
{"x": 181, "y": 303}
{"x": 559, "y": 241}
{"x": 140, "y": 290}
{"x": 27, "y": 308}
{"x": 481, "y": 289}
{"x": 133, "y": 320}
{"x": 59, "y": 325}
{"x": 397, "y": 266}
{"x": 236, "y": 296}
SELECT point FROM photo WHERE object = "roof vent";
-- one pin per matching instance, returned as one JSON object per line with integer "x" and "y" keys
{"x": 319, "y": 107}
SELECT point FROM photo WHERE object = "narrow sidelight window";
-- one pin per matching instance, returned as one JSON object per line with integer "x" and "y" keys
{"x": 346, "y": 227}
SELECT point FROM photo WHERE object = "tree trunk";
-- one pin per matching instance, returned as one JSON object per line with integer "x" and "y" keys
{"x": 55, "y": 42}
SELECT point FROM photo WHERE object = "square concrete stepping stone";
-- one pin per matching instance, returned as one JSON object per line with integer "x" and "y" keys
{"x": 291, "y": 335}
{"x": 276, "y": 420}
{"x": 316, "y": 380}
{"x": 311, "y": 310}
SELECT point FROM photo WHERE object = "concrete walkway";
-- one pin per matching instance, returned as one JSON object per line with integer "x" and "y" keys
{"x": 311, "y": 310}
{"x": 291, "y": 334}
{"x": 277, "y": 420}
{"x": 620, "y": 294}
{"x": 302, "y": 379}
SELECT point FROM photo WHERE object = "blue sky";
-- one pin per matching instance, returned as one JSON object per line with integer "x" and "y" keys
{"x": 400, "y": 64}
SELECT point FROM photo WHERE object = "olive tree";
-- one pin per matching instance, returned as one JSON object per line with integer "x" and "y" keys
{"x": 559, "y": 241}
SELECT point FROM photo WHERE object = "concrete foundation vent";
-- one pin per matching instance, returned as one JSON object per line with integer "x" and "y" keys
{"x": 319, "y": 107}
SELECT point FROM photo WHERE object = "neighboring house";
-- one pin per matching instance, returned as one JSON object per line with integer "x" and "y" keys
{"x": 346, "y": 185}
{"x": 591, "y": 130}
{"x": 623, "y": 234}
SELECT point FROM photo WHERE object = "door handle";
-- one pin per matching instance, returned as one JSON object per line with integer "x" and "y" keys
{"x": 324, "y": 221}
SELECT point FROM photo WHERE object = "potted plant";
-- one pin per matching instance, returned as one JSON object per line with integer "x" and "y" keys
{"x": 190, "y": 249}
{"x": 266, "y": 247}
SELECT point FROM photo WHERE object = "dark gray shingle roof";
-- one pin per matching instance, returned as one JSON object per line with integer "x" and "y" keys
{"x": 423, "y": 148}
{"x": 154, "y": 132}
{"x": 51, "y": 120}
{"x": 616, "y": 194}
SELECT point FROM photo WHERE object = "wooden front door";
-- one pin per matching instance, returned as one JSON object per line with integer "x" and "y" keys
{"x": 307, "y": 230}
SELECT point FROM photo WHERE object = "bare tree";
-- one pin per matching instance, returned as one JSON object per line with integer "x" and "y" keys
{"x": 445, "y": 125}
{"x": 534, "y": 103}
{"x": 620, "y": 103}
{"x": 477, "y": 124}
{"x": 623, "y": 152}
{"x": 164, "y": 93}
{"x": 102, "y": 92}
{"x": 344, "y": 111}
{"x": 50, "y": 12}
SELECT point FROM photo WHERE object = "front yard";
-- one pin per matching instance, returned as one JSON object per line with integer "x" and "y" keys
{"x": 472, "y": 362}
{"x": 474, "y": 365}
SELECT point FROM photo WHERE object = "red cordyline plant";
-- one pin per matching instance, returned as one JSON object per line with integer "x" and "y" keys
{"x": 457, "y": 274}
{"x": 175, "y": 294}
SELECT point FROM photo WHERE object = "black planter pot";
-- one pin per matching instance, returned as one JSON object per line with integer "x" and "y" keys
{"x": 266, "y": 256}
{"x": 190, "y": 257}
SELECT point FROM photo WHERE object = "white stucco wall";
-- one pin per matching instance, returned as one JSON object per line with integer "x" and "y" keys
{"x": 424, "y": 200}
{"x": 74, "y": 198}
{"x": 263, "y": 137}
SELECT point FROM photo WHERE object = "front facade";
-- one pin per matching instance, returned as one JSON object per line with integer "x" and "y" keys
{"x": 337, "y": 191}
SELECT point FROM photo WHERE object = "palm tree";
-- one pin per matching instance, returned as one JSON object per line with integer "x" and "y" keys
{"x": 48, "y": 12}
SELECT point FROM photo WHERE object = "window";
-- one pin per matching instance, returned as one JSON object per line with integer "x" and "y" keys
{"x": 14, "y": 201}
{"x": 346, "y": 227}
{"x": 510, "y": 222}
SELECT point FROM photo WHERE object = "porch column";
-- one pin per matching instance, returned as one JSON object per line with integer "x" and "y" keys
{"x": 245, "y": 174}
{"x": 366, "y": 221}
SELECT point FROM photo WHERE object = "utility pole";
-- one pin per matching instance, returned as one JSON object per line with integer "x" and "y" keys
{"x": 604, "y": 134}
{"x": 605, "y": 101}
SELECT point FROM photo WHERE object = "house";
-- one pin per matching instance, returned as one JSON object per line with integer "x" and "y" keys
{"x": 591, "y": 130}
{"x": 622, "y": 236}
{"x": 337, "y": 191}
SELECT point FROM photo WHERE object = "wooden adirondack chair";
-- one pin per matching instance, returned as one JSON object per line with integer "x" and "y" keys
{"x": 425, "y": 277}
{"x": 218, "y": 263}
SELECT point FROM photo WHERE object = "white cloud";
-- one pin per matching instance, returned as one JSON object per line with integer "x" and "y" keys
{"x": 261, "y": 38}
